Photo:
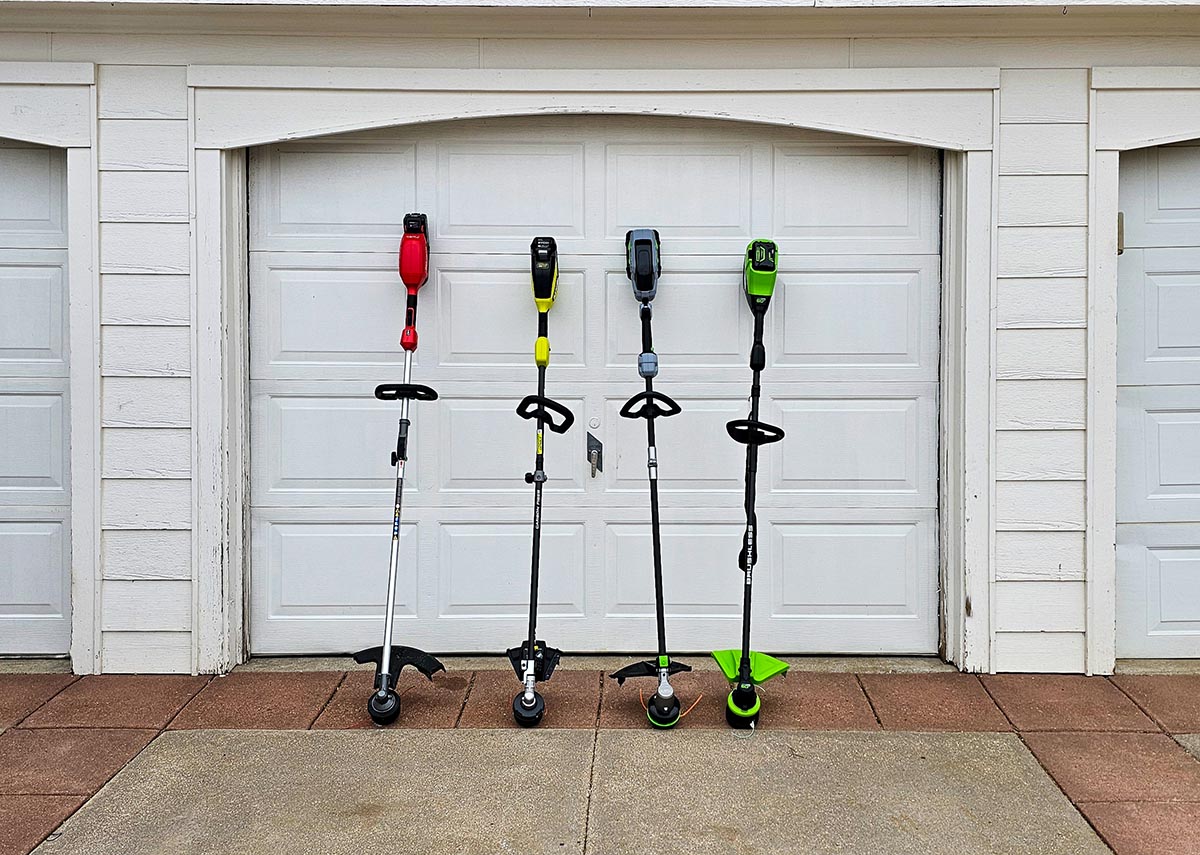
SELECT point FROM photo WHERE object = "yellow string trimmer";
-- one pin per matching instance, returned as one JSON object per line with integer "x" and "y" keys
{"x": 533, "y": 661}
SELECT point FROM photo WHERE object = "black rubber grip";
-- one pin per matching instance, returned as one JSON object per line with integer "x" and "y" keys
{"x": 400, "y": 391}
{"x": 557, "y": 417}
{"x": 653, "y": 406}
{"x": 749, "y": 432}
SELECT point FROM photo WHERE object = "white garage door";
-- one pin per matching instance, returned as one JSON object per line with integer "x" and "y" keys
{"x": 35, "y": 590}
{"x": 1158, "y": 405}
{"x": 847, "y": 502}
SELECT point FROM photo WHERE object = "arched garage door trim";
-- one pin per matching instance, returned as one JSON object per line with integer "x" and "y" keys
{"x": 232, "y": 107}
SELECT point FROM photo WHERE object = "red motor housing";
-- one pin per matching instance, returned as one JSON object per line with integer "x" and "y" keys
{"x": 414, "y": 271}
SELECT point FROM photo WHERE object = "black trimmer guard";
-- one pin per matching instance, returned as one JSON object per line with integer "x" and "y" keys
{"x": 649, "y": 668}
{"x": 545, "y": 660}
{"x": 401, "y": 656}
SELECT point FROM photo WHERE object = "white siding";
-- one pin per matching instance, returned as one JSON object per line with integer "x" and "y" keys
{"x": 145, "y": 362}
{"x": 1041, "y": 365}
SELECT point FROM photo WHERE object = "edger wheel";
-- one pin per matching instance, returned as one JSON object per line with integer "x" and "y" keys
{"x": 529, "y": 716}
{"x": 383, "y": 711}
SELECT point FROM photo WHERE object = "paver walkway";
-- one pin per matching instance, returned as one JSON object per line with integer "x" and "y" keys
{"x": 881, "y": 762}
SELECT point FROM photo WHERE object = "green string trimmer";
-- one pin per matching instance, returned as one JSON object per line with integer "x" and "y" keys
{"x": 746, "y": 669}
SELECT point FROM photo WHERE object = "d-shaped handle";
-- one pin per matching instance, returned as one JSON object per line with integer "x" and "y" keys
{"x": 652, "y": 406}
{"x": 749, "y": 432}
{"x": 557, "y": 417}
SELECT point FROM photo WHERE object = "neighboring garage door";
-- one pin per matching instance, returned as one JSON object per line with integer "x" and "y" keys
{"x": 35, "y": 543}
{"x": 847, "y": 503}
{"x": 1158, "y": 405}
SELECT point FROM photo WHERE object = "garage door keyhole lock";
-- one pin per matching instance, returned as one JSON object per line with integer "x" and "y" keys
{"x": 595, "y": 454}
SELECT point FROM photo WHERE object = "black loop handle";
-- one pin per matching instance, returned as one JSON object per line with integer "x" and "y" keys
{"x": 654, "y": 405}
{"x": 749, "y": 432}
{"x": 539, "y": 406}
{"x": 401, "y": 391}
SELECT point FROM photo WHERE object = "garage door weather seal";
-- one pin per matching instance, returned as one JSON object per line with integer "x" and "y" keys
{"x": 643, "y": 266}
{"x": 384, "y": 703}
{"x": 746, "y": 668}
{"x": 532, "y": 660}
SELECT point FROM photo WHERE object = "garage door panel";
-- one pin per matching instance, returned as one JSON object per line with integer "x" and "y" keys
{"x": 857, "y": 199}
{"x": 33, "y": 448}
{"x": 314, "y": 312}
{"x": 336, "y": 568}
{"x": 700, "y": 574}
{"x": 694, "y": 451}
{"x": 35, "y": 603}
{"x": 1159, "y": 299}
{"x": 509, "y": 190}
{"x": 486, "y": 446}
{"x": 869, "y": 322}
{"x": 1159, "y": 457}
{"x": 1160, "y": 195}
{"x": 698, "y": 319}
{"x": 877, "y": 568}
{"x": 846, "y": 449}
{"x": 485, "y": 569}
{"x": 39, "y": 546}
{"x": 33, "y": 325}
{"x": 343, "y": 191}
{"x": 33, "y": 203}
{"x": 485, "y": 317}
{"x": 701, "y": 190}
{"x": 1158, "y": 589}
{"x": 317, "y": 445}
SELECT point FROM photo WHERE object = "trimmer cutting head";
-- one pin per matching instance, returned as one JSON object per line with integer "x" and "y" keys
{"x": 758, "y": 273}
{"x": 643, "y": 264}
{"x": 543, "y": 258}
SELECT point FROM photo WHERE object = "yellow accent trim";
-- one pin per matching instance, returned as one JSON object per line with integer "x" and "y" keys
{"x": 544, "y": 305}
{"x": 539, "y": 442}
{"x": 541, "y": 351}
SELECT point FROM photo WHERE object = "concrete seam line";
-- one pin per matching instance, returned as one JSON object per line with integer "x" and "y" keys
{"x": 466, "y": 697}
{"x": 587, "y": 814}
{"x": 1134, "y": 701}
{"x": 862, "y": 687}
{"x": 74, "y": 679}
{"x": 328, "y": 700}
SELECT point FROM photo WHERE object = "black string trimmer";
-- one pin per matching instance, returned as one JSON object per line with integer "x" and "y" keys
{"x": 643, "y": 265}
{"x": 384, "y": 704}
{"x": 533, "y": 661}
{"x": 746, "y": 669}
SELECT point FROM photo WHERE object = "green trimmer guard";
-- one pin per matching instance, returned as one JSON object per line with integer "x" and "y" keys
{"x": 762, "y": 666}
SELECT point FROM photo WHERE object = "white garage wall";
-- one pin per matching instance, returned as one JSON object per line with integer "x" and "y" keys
{"x": 145, "y": 365}
{"x": 1039, "y": 595}
{"x": 1039, "y": 570}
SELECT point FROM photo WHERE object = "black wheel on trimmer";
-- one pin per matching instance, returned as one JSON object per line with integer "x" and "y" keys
{"x": 528, "y": 716}
{"x": 384, "y": 710}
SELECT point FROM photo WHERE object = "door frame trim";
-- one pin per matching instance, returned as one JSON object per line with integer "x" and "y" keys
{"x": 230, "y": 108}
{"x": 1130, "y": 108}
{"x": 58, "y": 109}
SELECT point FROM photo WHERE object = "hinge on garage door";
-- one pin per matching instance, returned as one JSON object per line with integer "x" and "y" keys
{"x": 1120, "y": 232}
